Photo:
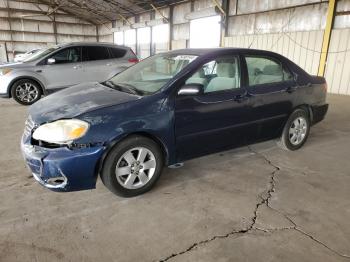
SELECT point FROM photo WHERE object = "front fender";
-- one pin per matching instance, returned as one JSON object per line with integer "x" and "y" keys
{"x": 108, "y": 126}
{"x": 27, "y": 74}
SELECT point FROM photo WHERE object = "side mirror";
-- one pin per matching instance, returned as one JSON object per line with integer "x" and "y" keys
{"x": 191, "y": 89}
{"x": 51, "y": 61}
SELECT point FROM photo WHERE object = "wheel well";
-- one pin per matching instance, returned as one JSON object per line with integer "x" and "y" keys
{"x": 155, "y": 139}
{"x": 307, "y": 109}
{"x": 23, "y": 78}
{"x": 144, "y": 134}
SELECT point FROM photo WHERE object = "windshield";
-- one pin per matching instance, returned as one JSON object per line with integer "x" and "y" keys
{"x": 40, "y": 54}
{"x": 150, "y": 75}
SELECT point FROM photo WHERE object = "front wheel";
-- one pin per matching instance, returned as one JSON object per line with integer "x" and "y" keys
{"x": 296, "y": 130}
{"x": 132, "y": 167}
{"x": 26, "y": 91}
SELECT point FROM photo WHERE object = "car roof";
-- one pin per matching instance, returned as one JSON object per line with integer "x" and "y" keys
{"x": 219, "y": 51}
{"x": 93, "y": 44}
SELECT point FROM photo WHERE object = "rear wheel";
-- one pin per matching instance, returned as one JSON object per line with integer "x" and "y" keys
{"x": 132, "y": 167}
{"x": 296, "y": 130}
{"x": 26, "y": 91}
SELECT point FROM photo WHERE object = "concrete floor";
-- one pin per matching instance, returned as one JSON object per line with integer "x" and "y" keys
{"x": 250, "y": 204}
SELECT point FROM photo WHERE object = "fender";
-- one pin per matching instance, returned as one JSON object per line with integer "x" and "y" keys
{"x": 26, "y": 77}
{"x": 117, "y": 140}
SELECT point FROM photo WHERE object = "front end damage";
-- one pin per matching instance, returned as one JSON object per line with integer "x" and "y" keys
{"x": 61, "y": 168}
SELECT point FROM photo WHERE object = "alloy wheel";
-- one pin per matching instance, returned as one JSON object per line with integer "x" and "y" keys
{"x": 298, "y": 130}
{"x": 135, "y": 168}
{"x": 27, "y": 92}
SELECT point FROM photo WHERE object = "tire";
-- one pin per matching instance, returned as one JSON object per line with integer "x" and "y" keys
{"x": 126, "y": 173}
{"x": 296, "y": 130}
{"x": 26, "y": 91}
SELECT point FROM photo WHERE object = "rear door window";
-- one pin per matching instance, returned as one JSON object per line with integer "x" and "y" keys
{"x": 117, "y": 52}
{"x": 94, "y": 53}
{"x": 265, "y": 70}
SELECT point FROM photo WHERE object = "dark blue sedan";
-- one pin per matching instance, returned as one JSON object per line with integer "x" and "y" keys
{"x": 167, "y": 109}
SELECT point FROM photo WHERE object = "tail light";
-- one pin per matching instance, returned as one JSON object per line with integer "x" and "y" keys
{"x": 133, "y": 60}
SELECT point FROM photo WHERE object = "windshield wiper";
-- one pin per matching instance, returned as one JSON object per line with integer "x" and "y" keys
{"x": 133, "y": 89}
{"x": 119, "y": 87}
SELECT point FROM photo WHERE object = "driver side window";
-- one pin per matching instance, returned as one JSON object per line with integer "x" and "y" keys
{"x": 218, "y": 75}
{"x": 67, "y": 55}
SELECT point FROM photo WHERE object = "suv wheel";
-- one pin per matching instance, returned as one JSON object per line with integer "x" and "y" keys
{"x": 132, "y": 167}
{"x": 26, "y": 91}
{"x": 296, "y": 130}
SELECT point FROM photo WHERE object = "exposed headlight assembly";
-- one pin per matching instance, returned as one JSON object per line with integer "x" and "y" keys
{"x": 5, "y": 71}
{"x": 61, "y": 131}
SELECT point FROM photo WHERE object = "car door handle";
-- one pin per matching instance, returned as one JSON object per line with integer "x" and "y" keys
{"x": 38, "y": 71}
{"x": 108, "y": 64}
{"x": 291, "y": 89}
{"x": 77, "y": 67}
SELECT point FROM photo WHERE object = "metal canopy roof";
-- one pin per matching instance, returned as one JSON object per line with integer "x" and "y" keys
{"x": 102, "y": 11}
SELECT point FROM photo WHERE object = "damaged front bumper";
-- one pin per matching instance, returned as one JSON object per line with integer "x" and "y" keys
{"x": 63, "y": 169}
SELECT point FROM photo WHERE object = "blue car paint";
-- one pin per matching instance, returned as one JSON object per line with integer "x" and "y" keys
{"x": 78, "y": 165}
{"x": 113, "y": 115}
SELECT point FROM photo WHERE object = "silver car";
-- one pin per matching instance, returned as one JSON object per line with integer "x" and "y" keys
{"x": 62, "y": 66}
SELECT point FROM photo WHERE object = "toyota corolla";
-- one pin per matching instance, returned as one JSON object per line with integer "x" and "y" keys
{"x": 167, "y": 109}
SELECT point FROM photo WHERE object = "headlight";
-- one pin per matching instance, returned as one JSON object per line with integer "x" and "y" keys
{"x": 5, "y": 71}
{"x": 61, "y": 131}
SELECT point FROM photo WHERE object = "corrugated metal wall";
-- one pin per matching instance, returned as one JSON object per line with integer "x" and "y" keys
{"x": 338, "y": 62}
{"x": 301, "y": 47}
{"x": 105, "y": 33}
{"x": 295, "y": 32}
{"x": 24, "y": 26}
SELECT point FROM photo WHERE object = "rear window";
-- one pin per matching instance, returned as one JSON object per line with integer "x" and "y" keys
{"x": 93, "y": 53}
{"x": 117, "y": 52}
{"x": 266, "y": 70}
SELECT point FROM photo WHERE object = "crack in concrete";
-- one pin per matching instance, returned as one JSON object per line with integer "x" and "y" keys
{"x": 295, "y": 226}
{"x": 264, "y": 200}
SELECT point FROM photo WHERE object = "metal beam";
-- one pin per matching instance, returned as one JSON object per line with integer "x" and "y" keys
{"x": 327, "y": 36}
{"x": 10, "y": 27}
{"x": 159, "y": 12}
{"x": 171, "y": 26}
{"x": 54, "y": 28}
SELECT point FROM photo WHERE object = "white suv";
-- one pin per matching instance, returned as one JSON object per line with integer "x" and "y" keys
{"x": 62, "y": 66}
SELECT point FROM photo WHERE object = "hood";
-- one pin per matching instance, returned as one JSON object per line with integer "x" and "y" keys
{"x": 77, "y": 100}
{"x": 15, "y": 65}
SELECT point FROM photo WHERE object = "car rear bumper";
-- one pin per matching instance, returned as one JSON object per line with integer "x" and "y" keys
{"x": 63, "y": 169}
{"x": 319, "y": 113}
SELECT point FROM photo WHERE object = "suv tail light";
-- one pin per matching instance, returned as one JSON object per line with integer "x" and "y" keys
{"x": 133, "y": 60}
